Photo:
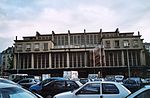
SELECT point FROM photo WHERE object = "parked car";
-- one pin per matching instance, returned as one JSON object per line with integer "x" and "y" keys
{"x": 97, "y": 89}
{"x": 58, "y": 86}
{"x": 2, "y": 80}
{"x": 141, "y": 93}
{"x": 133, "y": 84}
{"x": 13, "y": 91}
{"x": 38, "y": 86}
{"x": 99, "y": 79}
{"x": 27, "y": 82}
{"x": 84, "y": 80}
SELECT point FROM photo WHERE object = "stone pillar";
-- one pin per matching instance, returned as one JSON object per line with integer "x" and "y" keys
{"x": 50, "y": 61}
{"x": 32, "y": 61}
{"x": 142, "y": 57}
{"x": 15, "y": 63}
{"x": 93, "y": 59}
{"x": 67, "y": 59}
{"x": 113, "y": 59}
{"x": 123, "y": 58}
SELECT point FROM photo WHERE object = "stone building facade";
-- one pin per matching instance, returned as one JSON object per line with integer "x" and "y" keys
{"x": 86, "y": 52}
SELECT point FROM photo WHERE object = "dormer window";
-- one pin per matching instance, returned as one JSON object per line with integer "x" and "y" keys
{"x": 126, "y": 43}
{"x": 117, "y": 44}
{"x": 36, "y": 46}
{"x": 19, "y": 47}
{"x": 135, "y": 43}
{"x": 28, "y": 46}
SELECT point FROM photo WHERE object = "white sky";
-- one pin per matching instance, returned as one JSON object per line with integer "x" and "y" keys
{"x": 25, "y": 17}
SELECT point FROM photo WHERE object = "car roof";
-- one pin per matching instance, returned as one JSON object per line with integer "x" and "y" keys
{"x": 57, "y": 78}
{"x": 7, "y": 85}
{"x": 103, "y": 82}
{"x": 3, "y": 80}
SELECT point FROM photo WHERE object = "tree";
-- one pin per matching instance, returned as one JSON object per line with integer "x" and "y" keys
{"x": 10, "y": 61}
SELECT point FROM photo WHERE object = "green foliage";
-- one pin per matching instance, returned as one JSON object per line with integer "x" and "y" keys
{"x": 10, "y": 62}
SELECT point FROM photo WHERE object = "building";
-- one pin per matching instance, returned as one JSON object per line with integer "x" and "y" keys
{"x": 100, "y": 52}
{"x": 7, "y": 58}
{"x": 147, "y": 46}
{"x": 147, "y": 54}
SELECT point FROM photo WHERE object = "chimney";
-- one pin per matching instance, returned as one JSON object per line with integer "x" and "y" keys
{"x": 68, "y": 31}
{"x": 84, "y": 31}
{"x": 117, "y": 30}
{"x": 138, "y": 33}
{"x": 16, "y": 37}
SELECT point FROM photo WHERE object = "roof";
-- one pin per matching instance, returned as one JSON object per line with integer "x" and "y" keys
{"x": 103, "y": 82}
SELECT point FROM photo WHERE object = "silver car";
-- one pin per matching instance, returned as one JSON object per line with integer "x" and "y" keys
{"x": 98, "y": 89}
{"x": 141, "y": 93}
{"x": 14, "y": 91}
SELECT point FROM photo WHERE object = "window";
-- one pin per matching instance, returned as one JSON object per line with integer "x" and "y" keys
{"x": 135, "y": 43}
{"x": 145, "y": 94}
{"x": 28, "y": 46}
{"x": 24, "y": 81}
{"x": 117, "y": 44}
{"x": 126, "y": 43}
{"x": 71, "y": 84}
{"x": 19, "y": 47}
{"x": 107, "y": 44}
{"x": 59, "y": 84}
{"x": 45, "y": 47}
{"x": 93, "y": 88}
{"x": 108, "y": 88}
{"x": 36, "y": 46}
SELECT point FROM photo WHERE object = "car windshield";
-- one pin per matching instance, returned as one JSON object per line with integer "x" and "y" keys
{"x": 14, "y": 92}
{"x": 130, "y": 82}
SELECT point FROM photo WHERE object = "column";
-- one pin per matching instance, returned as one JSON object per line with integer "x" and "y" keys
{"x": 100, "y": 54}
{"x": 58, "y": 60}
{"x": 122, "y": 58}
{"x": 136, "y": 58}
{"x": 54, "y": 60}
{"x": 132, "y": 58}
{"x": 32, "y": 60}
{"x": 104, "y": 59}
{"x": 50, "y": 61}
{"x": 37, "y": 59}
{"x": 142, "y": 57}
{"x": 80, "y": 60}
{"x": 109, "y": 63}
{"x": 15, "y": 67}
{"x": 93, "y": 59}
{"x": 77, "y": 60}
{"x": 41, "y": 61}
{"x": 113, "y": 59}
{"x": 128, "y": 63}
{"x": 117, "y": 58}
{"x": 67, "y": 59}
{"x": 63, "y": 61}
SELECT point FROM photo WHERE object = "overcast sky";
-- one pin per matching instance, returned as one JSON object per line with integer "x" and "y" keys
{"x": 25, "y": 17}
